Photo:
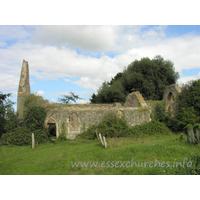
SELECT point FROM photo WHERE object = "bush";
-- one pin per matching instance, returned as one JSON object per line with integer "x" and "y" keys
{"x": 40, "y": 136}
{"x": 22, "y": 136}
{"x": 111, "y": 126}
{"x": 35, "y": 117}
{"x": 19, "y": 136}
{"x": 152, "y": 128}
{"x": 186, "y": 116}
{"x": 159, "y": 112}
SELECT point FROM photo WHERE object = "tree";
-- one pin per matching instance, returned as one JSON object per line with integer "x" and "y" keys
{"x": 149, "y": 77}
{"x": 35, "y": 117}
{"x": 189, "y": 104}
{"x": 7, "y": 113}
{"x": 93, "y": 98}
{"x": 69, "y": 98}
{"x": 35, "y": 112}
{"x": 110, "y": 94}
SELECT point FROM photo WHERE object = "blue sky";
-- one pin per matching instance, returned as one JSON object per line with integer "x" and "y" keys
{"x": 79, "y": 59}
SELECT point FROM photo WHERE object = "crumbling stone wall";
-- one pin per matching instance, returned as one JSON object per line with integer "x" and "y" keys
{"x": 171, "y": 96}
{"x": 86, "y": 115}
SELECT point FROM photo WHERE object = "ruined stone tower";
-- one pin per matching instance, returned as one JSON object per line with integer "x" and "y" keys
{"x": 24, "y": 89}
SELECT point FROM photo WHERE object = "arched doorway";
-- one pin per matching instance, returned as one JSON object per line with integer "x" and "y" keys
{"x": 169, "y": 96}
{"x": 51, "y": 128}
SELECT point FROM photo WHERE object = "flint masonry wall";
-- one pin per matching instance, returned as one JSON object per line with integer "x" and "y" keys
{"x": 77, "y": 118}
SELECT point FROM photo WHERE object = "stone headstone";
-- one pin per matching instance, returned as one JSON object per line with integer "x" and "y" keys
{"x": 197, "y": 135}
{"x": 105, "y": 143}
{"x": 101, "y": 139}
{"x": 190, "y": 135}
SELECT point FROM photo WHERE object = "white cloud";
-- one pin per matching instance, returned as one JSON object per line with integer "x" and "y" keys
{"x": 82, "y": 101}
{"x": 39, "y": 93}
{"x": 50, "y": 62}
{"x": 53, "y": 101}
{"x": 86, "y": 38}
{"x": 13, "y": 32}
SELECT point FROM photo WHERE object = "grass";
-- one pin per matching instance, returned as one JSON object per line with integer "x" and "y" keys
{"x": 55, "y": 158}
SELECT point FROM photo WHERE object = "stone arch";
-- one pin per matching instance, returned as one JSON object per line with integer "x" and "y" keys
{"x": 51, "y": 121}
{"x": 170, "y": 96}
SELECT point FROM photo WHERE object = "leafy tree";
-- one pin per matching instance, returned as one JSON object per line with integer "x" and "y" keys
{"x": 6, "y": 113}
{"x": 35, "y": 117}
{"x": 110, "y": 94}
{"x": 35, "y": 112}
{"x": 69, "y": 98}
{"x": 149, "y": 77}
{"x": 189, "y": 104}
{"x": 93, "y": 98}
{"x": 186, "y": 116}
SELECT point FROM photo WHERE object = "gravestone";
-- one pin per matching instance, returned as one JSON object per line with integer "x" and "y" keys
{"x": 197, "y": 135}
{"x": 190, "y": 135}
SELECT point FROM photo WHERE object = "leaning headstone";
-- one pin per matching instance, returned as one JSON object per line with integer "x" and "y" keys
{"x": 197, "y": 135}
{"x": 105, "y": 143}
{"x": 96, "y": 134}
{"x": 101, "y": 139}
{"x": 190, "y": 135}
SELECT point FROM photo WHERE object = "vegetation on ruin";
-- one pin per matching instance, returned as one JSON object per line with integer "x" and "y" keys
{"x": 149, "y": 77}
{"x": 114, "y": 126}
{"x": 188, "y": 111}
{"x": 18, "y": 132}
{"x": 55, "y": 158}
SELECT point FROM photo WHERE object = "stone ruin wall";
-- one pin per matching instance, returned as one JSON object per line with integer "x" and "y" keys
{"x": 78, "y": 118}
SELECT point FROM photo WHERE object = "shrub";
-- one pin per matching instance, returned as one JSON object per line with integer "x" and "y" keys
{"x": 152, "y": 128}
{"x": 22, "y": 136}
{"x": 186, "y": 116}
{"x": 40, "y": 136}
{"x": 35, "y": 117}
{"x": 159, "y": 112}
{"x": 111, "y": 126}
{"x": 19, "y": 136}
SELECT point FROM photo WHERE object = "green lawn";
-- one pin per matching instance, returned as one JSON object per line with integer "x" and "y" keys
{"x": 50, "y": 158}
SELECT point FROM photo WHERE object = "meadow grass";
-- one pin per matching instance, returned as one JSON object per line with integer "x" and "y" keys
{"x": 55, "y": 158}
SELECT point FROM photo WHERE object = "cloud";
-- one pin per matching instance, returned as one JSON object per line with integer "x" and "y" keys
{"x": 82, "y": 101}
{"x": 86, "y": 38}
{"x": 11, "y": 33}
{"x": 39, "y": 93}
{"x": 53, "y": 101}
{"x": 53, "y": 57}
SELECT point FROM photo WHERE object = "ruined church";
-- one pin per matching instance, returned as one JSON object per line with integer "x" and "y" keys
{"x": 73, "y": 119}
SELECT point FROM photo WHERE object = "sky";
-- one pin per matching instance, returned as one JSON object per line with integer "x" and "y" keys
{"x": 79, "y": 58}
